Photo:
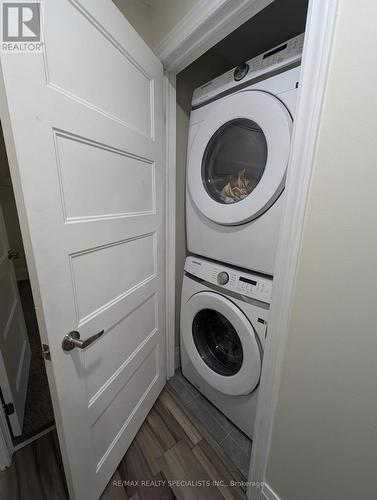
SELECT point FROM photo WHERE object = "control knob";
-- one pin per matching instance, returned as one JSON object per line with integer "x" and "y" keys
{"x": 222, "y": 278}
{"x": 241, "y": 71}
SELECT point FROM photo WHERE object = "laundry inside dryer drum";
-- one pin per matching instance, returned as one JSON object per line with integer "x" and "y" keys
{"x": 217, "y": 342}
{"x": 234, "y": 161}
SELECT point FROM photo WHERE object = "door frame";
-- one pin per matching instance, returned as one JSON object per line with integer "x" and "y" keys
{"x": 199, "y": 30}
{"x": 208, "y": 22}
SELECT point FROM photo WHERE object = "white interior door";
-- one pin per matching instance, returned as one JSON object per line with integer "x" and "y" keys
{"x": 15, "y": 350}
{"x": 84, "y": 132}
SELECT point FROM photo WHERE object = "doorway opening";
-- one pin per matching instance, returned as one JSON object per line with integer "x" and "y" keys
{"x": 271, "y": 27}
{"x": 32, "y": 403}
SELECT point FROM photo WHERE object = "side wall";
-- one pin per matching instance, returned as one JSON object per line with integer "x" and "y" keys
{"x": 166, "y": 14}
{"x": 324, "y": 442}
{"x": 138, "y": 13}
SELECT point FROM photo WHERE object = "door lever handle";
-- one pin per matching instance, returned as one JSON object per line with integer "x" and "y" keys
{"x": 72, "y": 340}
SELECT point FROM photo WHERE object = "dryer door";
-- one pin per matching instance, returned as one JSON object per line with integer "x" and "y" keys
{"x": 238, "y": 159}
{"x": 221, "y": 343}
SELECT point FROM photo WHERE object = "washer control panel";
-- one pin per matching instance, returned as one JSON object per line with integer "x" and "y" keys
{"x": 244, "y": 283}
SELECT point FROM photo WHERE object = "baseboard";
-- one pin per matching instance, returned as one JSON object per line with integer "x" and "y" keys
{"x": 268, "y": 493}
{"x": 35, "y": 437}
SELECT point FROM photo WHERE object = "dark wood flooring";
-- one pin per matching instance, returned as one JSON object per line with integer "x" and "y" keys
{"x": 171, "y": 457}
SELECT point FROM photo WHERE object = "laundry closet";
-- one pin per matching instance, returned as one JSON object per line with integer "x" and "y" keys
{"x": 241, "y": 98}
{"x": 235, "y": 102}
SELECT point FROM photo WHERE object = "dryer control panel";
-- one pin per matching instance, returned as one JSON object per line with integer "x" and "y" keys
{"x": 272, "y": 60}
{"x": 241, "y": 282}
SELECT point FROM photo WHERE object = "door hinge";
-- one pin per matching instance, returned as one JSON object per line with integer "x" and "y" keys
{"x": 13, "y": 255}
{"x": 45, "y": 352}
{"x": 8, "y": 408}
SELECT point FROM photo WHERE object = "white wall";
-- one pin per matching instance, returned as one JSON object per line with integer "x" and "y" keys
{"x": 138, "y": 13}
{"x": 153, "y": 19}
{"x": 166, "y": 14}
{"x": 324, "y": 443}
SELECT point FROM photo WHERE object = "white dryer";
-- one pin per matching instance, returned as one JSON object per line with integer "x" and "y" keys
{"x": 224, "y": 316}
{"x": 239, "y": 145}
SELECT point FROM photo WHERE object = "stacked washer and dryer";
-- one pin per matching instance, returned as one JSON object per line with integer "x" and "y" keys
{"x": 238, "y": 150}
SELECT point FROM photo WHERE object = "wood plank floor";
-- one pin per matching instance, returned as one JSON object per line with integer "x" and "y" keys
{"x": 169, "y": 458}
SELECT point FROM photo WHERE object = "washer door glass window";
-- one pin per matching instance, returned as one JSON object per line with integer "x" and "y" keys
{"x": 234, "y": 161}
{"x": 220, "y": 342}
{"x": 217, "y": 342}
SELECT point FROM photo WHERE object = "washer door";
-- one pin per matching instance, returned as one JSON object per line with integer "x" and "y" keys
{"x": 238, "y": 160}
{"x": 221, "y": 343}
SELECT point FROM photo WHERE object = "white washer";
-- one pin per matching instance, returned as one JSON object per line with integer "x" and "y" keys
{"x": 224, "y": 316}
{"x": 239, "y": 144}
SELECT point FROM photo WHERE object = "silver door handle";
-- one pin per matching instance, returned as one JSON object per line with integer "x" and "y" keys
{"x": 72, "y": 340}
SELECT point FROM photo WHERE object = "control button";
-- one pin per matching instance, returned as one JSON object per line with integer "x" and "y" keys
{"x": 222, "y": 278}
{"x": 241, "y": 71}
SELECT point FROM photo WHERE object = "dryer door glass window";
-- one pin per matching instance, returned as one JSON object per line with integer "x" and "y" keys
{"x": 217, "y": 342}
{"x": 234, "y": 161}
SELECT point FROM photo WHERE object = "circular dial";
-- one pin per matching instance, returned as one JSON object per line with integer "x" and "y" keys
{"x": 241, "y": 71}
{"x": 222, "y": 278}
